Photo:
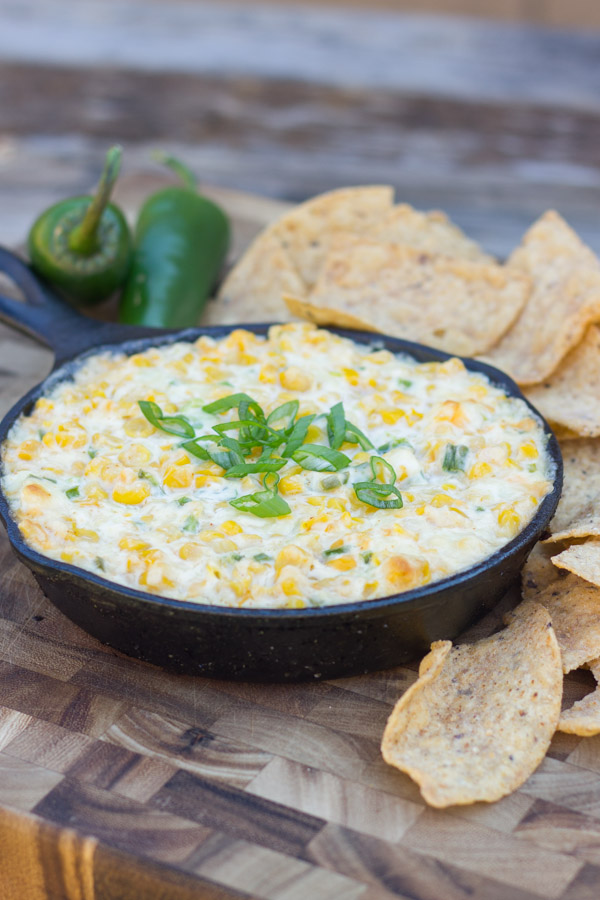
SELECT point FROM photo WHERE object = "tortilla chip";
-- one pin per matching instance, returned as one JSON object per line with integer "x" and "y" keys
{"x": 538, "y": 572}
{"x": 574, "y": 607}
{"x": 306, "y": 231}
{"x": 478, "y": 721}
{"x": 581, "y": 487}
{"x": 570, "y": 396}
{"x": 582, "y": 560}
{"x": 432, "y": 232}
{"x": 583, "y": 718}
{"x": 253, "y": 290}
{"x": 589, "y": 526}
{"x": 457, "y": 305}
{"x": 323, "y": 316}
{"x": 564, "y": 301}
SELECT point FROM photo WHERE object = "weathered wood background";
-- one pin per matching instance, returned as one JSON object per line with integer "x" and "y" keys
{"x": 117, "y": 780}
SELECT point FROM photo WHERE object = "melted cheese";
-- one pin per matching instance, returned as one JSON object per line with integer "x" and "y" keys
{"x": 91, "y": 482}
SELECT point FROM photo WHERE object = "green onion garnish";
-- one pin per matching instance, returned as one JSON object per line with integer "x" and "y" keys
{"x": 320, "y": 459}
{"x": 382, "y": 470}
{"x": 92, "y": 452}
{"x": 195, "y": 449}
{"x": 405, "y": 382}
{"x": 265, "y": 504}
{"x": 330, "y": 482}
{"x": 266, "y": 465}
{"x": 297, "y": 435}
{"x": 355, "y": 436}
{"x": 395, "y": 442}
{"x": 72, "y": 493}
{"x": 190, "y": 524}
{"x": 454, "y": 458}
{"x": 229, "y": 402}
{"x": 336, "y": 426}
{"x": 99, "y": 563}
{"x": 183, "y": 500}
{"x": 374, "y": 494}
{"x": 287, "y": 411}
{"x": 261, "y": 557}
{"x": 367, "y": 556}
{"x": 147, "y": 476}
{"x": 178, "y": 425}
{"x": 333, "y": 551}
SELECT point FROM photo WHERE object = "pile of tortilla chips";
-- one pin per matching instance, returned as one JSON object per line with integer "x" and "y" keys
{"x": 481, "y": 716}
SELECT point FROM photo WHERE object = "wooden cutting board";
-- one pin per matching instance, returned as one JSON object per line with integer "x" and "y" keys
{"x": 120, "y": 781}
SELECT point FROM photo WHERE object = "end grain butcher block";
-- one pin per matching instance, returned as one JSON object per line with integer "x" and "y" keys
{"x": 120, "y": 781}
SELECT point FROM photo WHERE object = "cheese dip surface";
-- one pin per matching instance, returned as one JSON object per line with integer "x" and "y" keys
{"x": 375, "y": 475}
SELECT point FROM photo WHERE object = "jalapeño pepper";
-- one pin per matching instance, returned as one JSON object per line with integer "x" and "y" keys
{"x": 82, "y": 245}
{"x": 181, "y": 240}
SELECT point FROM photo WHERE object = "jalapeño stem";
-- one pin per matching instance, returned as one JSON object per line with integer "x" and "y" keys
{"x": 84, "y": 237}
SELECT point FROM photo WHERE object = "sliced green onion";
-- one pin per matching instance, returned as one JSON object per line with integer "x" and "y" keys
{"x": 395, "y": 442}
{"x": 92, "y": 452}
{"x": 374, "y": 494}
{"x": 178, "y": 425}
{"x": 183, "y": 500}
{"x": 230, "y": 402}
{"x": 334, "y": 551}
{"x": 330, "y": 482}
{"x": 454, "y": 458}
{"x": 266, "y": 465}
{"x": 191, "y": 524}
{"x": 99, "y": 563}
{"x": 261, "y": 557}
{"x": 264, "y": 504}
{"x": 297, "y": 435}
{"x": 147, "y": 476}
{"x": 355, "y": 436}
{"x": 320, "y": 459}
{"x": 287, "y": 411}
{"x": 367, "y": 556}
{"x": 195, "y": 449}
{"x": 382, "y": 471}
{"x": 405, "y": 382}
{"x": 336, "y": 426}
{"x": 72, "y": 493}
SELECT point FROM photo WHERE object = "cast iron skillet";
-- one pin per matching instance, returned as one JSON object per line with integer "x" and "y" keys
{"x": 248, "y": 644}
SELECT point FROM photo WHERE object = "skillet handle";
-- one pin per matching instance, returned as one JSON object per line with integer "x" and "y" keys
{"x": 52, "y": 321}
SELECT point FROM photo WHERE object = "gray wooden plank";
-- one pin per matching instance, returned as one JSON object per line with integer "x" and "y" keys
{"x": 425, "y": 54}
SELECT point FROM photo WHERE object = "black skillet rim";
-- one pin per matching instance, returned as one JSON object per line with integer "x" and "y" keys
{"x": 525, "y": 537}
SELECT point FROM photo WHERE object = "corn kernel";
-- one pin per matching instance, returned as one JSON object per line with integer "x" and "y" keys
{"x": 391, "y": 416}
{"x": 480, "y": 470}
{"x": 441, "y": 500}
{"x": 131, "y": 494}
{"x": 231, "y": 527}
{"x": 138, "y": 359}
{"x": 295, "y": 379}
{"x": 291, "y": 556}
{"x": 290, "y": 485}
{"x": 95, "y": 492}
{"x": 133, "y": 543}
{"x": 342, "y": 563}
{"x": 134, "y": 455}
{"x": 351, "y": 376}
{"x": 28, "y": 449}
{"x": 529, "y": 450}
{"x": 138, "y": 427}
{"x": 509, "y": 520}
{"x": 178, "y": 476}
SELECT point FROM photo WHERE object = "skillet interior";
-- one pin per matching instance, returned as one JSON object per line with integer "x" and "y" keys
{"x": 254, "y": 644}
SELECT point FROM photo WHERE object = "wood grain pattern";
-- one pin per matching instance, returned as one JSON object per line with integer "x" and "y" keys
{"x": 120, "y": 781}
